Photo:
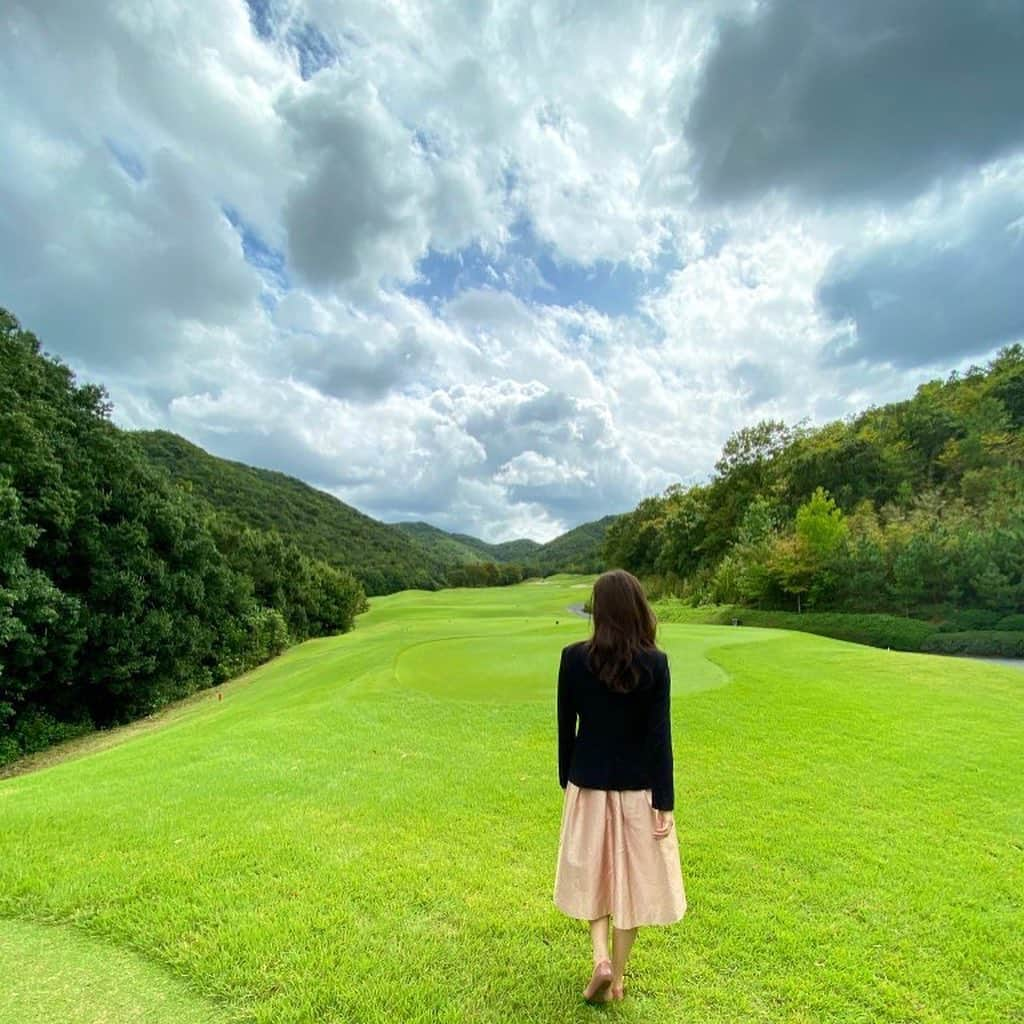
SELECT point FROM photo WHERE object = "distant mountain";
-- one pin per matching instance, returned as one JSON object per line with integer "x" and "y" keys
{"x": 578, "y": 550}
{"x": 462, "y": 548}
{"x": 516, "y": 550}
{"x": 383, "y": 558}
{"x": 450, "y": 548}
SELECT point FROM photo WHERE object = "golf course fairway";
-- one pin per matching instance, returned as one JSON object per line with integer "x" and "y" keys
{"x": 365, "y": 829}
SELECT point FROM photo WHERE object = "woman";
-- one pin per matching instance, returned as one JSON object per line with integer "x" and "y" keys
{"x": 618, "y": 855}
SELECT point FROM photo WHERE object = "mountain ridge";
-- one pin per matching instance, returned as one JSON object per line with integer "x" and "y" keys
{"x": 384, "y": 556}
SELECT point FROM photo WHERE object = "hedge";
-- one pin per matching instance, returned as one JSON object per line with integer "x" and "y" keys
{"x": 993, "y": 643}
{"x": 873, "y": 629}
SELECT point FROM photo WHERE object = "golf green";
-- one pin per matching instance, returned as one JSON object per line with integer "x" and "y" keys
{"x": 365, "y": 829}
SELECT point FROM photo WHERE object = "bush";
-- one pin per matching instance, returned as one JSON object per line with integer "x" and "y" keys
{"x": 257, "y": 636}
{"x": 268, "y": 634}
{"x": 1011, "y": 623}
{"x": 674, "y": 610}
{"x": 873, "y": 629}
{"x": 967, "y": 620}
{"x": 663, "y": 585}
{"x": 35, "y": 730}
{"x": 985, "y": 642}
{"x": 9, "y": 750}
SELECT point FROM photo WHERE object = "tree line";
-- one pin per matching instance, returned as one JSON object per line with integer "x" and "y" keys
{"x": 914, "y": 508}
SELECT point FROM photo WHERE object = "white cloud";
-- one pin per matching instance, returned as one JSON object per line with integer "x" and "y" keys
{"x": 531, "y": 469}
{"x": 232, "y": 249}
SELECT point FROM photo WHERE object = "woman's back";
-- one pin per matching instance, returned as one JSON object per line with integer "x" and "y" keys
{"x": 624, "y": 738}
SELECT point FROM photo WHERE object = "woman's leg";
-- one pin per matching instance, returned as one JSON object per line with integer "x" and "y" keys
{"x": 599, "y": 937}
{"x": 620, "y": 954}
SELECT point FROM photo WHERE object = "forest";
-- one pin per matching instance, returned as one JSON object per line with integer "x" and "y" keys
{"x": 118, "y": 591}
{"x": 913, "y": 509}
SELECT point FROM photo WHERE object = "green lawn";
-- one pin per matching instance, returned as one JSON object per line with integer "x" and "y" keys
{"x": 365, "y": 829}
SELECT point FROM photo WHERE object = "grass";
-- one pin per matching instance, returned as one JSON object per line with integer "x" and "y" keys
{"x": 55, "y": 974}
{"x": 366, "y": 828}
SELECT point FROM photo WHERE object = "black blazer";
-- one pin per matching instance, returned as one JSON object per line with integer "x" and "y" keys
{"x": 624, "y": 739}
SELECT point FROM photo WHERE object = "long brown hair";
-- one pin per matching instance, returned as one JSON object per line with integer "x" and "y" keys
{"x": 624, "y": 623}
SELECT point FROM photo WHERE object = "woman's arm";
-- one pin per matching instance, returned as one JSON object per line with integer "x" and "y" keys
{"x": 660, "y": 733}
{"x": 566, "y": 724}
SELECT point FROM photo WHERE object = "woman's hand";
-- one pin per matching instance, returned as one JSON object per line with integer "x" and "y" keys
{"x": 664, "y": 822}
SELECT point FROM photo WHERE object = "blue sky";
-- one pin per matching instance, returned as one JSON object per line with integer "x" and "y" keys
{"x": 532, "y": 271}
{"x": 509, "y": 267}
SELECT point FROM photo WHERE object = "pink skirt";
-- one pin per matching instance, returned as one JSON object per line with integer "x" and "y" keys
{"x": 609, "y": 861}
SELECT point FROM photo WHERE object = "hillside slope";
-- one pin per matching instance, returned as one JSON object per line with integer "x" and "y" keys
{"x": 577, "y": 550}
{"x": 450, "y": 548}
{"x": 462, "y": 548}
{"x": 383, "y": 558}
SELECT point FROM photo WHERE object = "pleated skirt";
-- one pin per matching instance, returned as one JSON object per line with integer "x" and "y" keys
{"x": 609, "y": 861}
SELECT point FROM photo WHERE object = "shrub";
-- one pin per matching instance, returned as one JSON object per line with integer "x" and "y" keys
{"x": 36, "y": 730}
{"x": 985, "y": 642}
{"x": 9, "y": 750}
{"x": 970, "y": 619}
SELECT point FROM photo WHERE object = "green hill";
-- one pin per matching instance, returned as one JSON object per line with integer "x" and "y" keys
{"x": 507, "y": 551}
{"x": 515, "y": 550}
{"x": 382, "y": 558}
{"x": 385, "y": 557}
{"x": 461, "y": 548}
{"x": 451, "y": 548}
{"x": 578, "y": 550}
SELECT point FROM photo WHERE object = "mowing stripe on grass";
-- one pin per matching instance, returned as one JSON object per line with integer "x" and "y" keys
{"x": 53, "y": 974}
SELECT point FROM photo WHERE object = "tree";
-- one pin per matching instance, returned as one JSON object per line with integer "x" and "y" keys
{"x": 856, "y": 574}
{"x": 923, "y": 571}
{"x": 819, "y": 530}
{"x": 994, "y": 589}
{"x": 753, "y": 576}
{"x": 682, "y": 531}
{"x": 929, "y": 424}
{"x": 820, "y": 525}
{"x": 760, "y": 520}
{"x": 753, "y": 447}
{"x": 791, "y": 566}
{"x": 633, "y": 539}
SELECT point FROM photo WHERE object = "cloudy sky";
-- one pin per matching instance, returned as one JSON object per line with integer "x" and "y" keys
{"x": 508, "y": 267}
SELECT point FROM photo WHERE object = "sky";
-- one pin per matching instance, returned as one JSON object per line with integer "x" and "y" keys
{"x": 509, "y": 267}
